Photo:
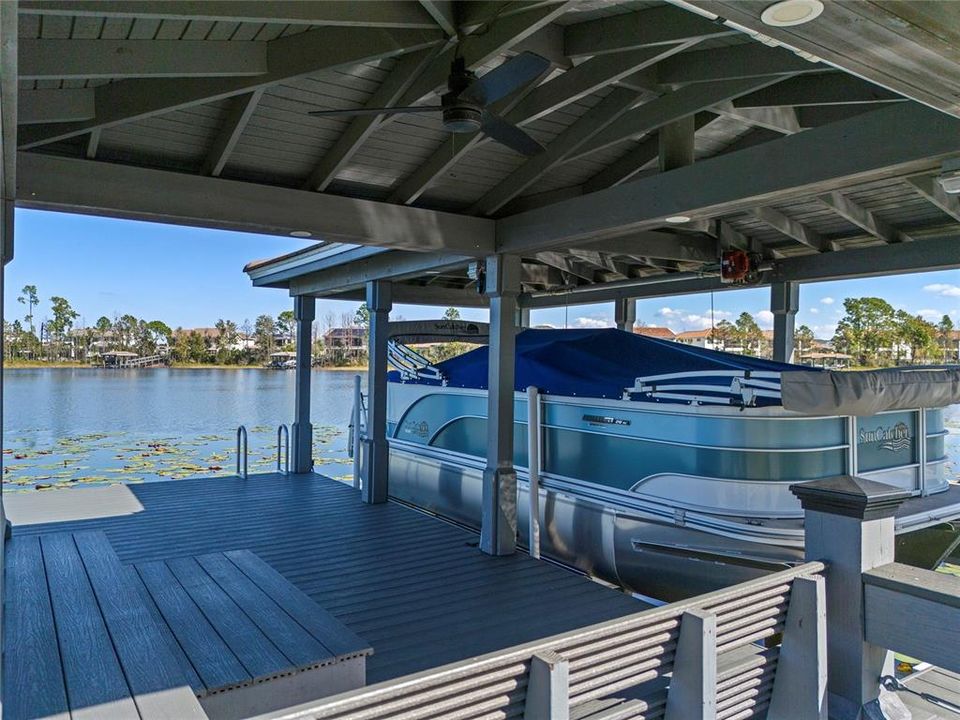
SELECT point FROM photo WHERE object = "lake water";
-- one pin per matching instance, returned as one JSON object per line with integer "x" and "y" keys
{"x": 76, "y": 427}
{"x": 65, "y": 427}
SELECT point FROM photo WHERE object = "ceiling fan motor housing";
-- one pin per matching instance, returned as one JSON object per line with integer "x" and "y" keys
{"x": 459, "y": 114}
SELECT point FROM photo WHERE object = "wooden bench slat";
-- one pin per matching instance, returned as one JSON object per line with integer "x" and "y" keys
{"x": 283, "y": 631}
{"x": 209, "y": 654}
{"x": 259, "y": 656}
{"x": 32, "y": 678}
{"x": 186, "y": 667}
{"x": 327, "y": 630}
{"x": 159, "y": 687}
{"x": 96, "y": 687}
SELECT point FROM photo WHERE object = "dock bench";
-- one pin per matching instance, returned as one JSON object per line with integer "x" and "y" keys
{"x": 220, "y": 635}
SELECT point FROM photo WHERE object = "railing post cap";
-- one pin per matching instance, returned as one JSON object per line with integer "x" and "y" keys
{"x": 850, "y": 496}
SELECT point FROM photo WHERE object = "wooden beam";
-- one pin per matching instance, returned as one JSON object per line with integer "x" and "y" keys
{"x": 393, "y": 265}
{"x": 591, "y": 123}
{"x": 93, "y": 144}
{"x": 98, "y": 188}
{"x": 667, "y": 108}
{"x": 47, "y": 59}
{"x": 863, "y": 218}
{"x": 53, "y": 106}
{"x": 928, "y": 186}
{"x": 779, "y": 119}
{"x": 662, "y": 245}
{"x": 860, "y": 38}
{"x": 790, "y": 227}
{"x": 8, "y": 142}
{"x": 385, "y": 13}
{"x": 827, "y": 88}
{"x": 410, "y": 294}
{"x": 874, "y": 145}
{"x": 576, "y": 83}
{"x": 287, "y": 58}
{"x": 408, "y": 69}
{"x": 729, "y": 63}
{"x": 644, "y": 28}
{"x": 239, "y": 112}
{"x": 566, "y": 264}
{"x": 444, "y": 14}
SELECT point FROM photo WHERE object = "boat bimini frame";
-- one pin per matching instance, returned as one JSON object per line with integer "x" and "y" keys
{"x": 744, "y": 387}
{"x": 412, "y": 365}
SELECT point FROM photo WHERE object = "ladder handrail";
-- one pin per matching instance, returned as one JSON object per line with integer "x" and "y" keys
{"x": 283, "y": 432}
{"x": 242, "y": 433}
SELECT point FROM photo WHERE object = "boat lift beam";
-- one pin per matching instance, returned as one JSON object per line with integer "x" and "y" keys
{"x": 498, "y": 531}
{"x": 304, "y": 312}
{"x": 376, "y": 451}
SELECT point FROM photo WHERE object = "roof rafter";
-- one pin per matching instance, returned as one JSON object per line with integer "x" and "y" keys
{"x": 238, "y": 114}
{"x": 829, "y": 88}
{"x": 643, "y": 28}
{"x": 863, "y": 218}
{"x": 569, "y": 87}
{"x": 928, "y": 186}
{"x": 874, "y": 145}
{"x": 287, "y": 58}
{"x": 383, "y": 13}
{"x": 779, "y": 119}
{"x": 118, "y": 59}
{"x": 728, "y": 63}
{"x": 51, "y": 106}
{"x": 790, "y": 227}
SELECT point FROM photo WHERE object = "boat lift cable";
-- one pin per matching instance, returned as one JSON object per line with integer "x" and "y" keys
{"x": 893, "y": 685}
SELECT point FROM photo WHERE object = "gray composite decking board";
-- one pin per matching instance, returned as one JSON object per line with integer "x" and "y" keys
{"x": 283, "y": 631}
{"x": 350, "y": 558}
{"x": 32, "y": 678}
{"x": 186, "y": 667}
{"x": 85, "y": 648}
{"x": 160, "y": 688}
{"x": 208, "y": 653}
{"x": 335, "y": 636}
{"x": 253, "y": 649}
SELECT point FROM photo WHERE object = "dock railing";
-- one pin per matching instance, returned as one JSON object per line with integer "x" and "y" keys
{"x": 692, "y": 659}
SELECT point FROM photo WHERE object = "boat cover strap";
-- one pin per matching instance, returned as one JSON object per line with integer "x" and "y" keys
{"x": 868, "y": 392}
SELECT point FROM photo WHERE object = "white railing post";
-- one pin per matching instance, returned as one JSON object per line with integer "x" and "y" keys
{"x": 242, "y": 452}
{"x": 548, "y": 688}
{"x": 693, "y": 686}
{"x": 922, "y": 451}
{"x": 357, "y": 409}
{"x": 283, "y": 450}
{"x": 800, "y": 685}
{"x": 533, "y": 465}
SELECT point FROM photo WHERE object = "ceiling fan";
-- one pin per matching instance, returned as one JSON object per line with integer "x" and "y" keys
{"x": 465, "y": 105}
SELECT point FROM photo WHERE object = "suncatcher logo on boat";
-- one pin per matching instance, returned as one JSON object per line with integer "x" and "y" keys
{"x": 894, "y": 438}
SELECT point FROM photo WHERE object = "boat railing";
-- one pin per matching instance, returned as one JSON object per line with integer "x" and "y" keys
{"x": 283, "y": 450}
{"x": 242, "y": 456}
{"x": 411, "y": 364}
{"x": 709, "y": 387}
{"x": 357, "y": 428}
{"x": 534, "y": 430}
{"x": 686, "y": 641}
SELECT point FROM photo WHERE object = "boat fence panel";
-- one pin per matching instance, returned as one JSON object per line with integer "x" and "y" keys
{"x": 602, "y": 660}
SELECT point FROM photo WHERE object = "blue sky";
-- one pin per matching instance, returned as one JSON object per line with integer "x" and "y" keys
{"x": 191, "y": 277}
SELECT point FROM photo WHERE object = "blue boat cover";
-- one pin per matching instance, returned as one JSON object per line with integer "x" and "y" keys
{"x": 596, "y": 363}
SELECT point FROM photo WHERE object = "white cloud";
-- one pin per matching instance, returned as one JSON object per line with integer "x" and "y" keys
{"x": 944, "y": 289}
{"x": 827, "y": 301}
{"x": 931, "y": 315}
{"x": 764, "y": 318}
{"x": 678, "y": 320}
{"x": 591, "y": 322}
{"x": 814, "y": 311}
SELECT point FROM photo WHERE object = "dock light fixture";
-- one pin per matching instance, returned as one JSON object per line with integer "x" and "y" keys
{"x": 677, "y": 219}
{"x": 949, "y": 177}
{"x": 791, "y": 12}
{"x": 301, "y": 234}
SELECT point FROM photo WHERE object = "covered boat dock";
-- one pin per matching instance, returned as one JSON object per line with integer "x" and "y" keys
{"x": 675, "y": 138}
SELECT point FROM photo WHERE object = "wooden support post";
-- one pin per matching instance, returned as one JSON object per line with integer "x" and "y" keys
{"x": 849, "y": 524}
{"x": 304, "y": 311}
{"x": 498, "y": 531}
{"x": 800, "y": 685}
{"x": 784, "y": 303}
{"x": 376, "y": 450}
{"x": 523, "y": 317}
{"x": 693, "y": 686}
{"x": 548, "y": 688}
{"x": 625, "y": 314}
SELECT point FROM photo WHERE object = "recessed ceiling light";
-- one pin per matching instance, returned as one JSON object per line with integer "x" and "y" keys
{"x": 791, "y": 12}
{"x": 301, "y": 233}
{"x": 677, "y": 219}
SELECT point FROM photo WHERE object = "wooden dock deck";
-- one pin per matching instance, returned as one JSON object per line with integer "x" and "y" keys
{"x": 415, "y": 587}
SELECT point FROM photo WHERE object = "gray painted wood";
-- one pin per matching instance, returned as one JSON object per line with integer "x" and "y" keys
{"x": 96, "y": 686}
{"x": 693, "y": 686}
{"x": 159, "y": 686}
{"x": 253, "y": 649}
{"x": 403, "y": 581}
{"x": 32, "y": 678}
{"x": 548, "y": 688}
{"x": 299, "y": 646}
{"x": 208, "y": 653}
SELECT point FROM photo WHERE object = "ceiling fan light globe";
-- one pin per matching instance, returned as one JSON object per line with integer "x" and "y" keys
{"x": 461, "y": 119}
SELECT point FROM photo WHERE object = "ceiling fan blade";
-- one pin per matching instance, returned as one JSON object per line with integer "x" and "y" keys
{"x": 510, "y": 135}
{"x": 502, "y": 81}
{"x": 375, "y": 111}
